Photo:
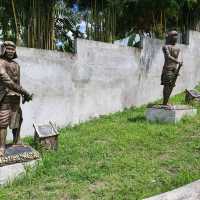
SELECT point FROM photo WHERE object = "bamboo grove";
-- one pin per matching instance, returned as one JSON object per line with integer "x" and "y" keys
{"x": 28, "y": 22}
{"x": 31, "y": 23}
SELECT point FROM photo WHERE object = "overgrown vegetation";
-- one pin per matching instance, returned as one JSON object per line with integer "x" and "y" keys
{"x": 121, "y": 156}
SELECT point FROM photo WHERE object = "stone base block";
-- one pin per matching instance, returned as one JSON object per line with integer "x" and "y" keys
{"x": 15, "y": 161}
{"x": 169, "y": 114}
{"x": 9, "y": 172}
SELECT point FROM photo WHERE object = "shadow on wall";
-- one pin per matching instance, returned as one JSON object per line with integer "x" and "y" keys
{"x": 150, "y": 50}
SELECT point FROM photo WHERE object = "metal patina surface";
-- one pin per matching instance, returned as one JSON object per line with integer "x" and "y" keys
{"x": 172, "y": 65}
{"x": 10, "y": 96}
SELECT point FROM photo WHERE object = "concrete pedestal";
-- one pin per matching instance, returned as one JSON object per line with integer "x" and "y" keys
{"x": 169, "y": 114}
{"x": 9, "y": 172}
{"x": 17, "y": 158}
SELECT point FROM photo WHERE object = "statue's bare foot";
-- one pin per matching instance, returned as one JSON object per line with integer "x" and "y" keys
{"x": 2, "y": 152}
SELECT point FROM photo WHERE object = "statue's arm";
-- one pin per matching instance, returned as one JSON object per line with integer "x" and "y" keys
{"x": 168, "y": 56}
{"x": 7, "y": 81}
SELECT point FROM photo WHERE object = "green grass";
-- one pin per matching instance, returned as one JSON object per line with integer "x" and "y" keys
{"x": 118, "y": 157}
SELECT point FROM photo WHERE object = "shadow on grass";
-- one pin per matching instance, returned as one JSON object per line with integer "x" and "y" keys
{"x": 137, "y": 119}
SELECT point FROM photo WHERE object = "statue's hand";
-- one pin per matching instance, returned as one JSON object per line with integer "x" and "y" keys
{"x": 180, "y": 63}
{"x": 26, "y": 97}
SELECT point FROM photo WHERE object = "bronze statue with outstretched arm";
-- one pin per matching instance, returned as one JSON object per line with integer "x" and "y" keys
{"x": 10, "y": 93}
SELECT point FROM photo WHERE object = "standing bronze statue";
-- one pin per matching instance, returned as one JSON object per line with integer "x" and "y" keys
{"x": 171, "y": 66}
{"x": 10, "y": 92}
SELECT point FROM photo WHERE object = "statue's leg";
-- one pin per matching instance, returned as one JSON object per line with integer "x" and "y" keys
{"x": 4, "y": 121}
{"x": 16, "y": 136}
{"x": 167, "y": 90}
{"x": 17, "y": 129}
{"x": 3, "y": 134}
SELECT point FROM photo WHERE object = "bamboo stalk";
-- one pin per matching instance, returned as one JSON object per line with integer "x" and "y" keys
{"x": 15, "y": 18}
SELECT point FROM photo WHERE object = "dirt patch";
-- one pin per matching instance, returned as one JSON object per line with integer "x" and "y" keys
{"x": 98, "y": 185}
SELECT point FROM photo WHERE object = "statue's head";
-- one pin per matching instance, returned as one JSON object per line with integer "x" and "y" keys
{"x": 172, "y": 37}
{"x": 8, "y": 50}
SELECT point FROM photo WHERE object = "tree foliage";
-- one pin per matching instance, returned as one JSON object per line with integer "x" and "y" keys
{"x": 31, "y": 22}
{"x": 28, "y": 22}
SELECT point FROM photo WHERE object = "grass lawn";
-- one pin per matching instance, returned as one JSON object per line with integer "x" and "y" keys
{"x": 119, "y": 157}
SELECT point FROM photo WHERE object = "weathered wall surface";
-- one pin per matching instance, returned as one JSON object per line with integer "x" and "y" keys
{"x": 102, "y": 78}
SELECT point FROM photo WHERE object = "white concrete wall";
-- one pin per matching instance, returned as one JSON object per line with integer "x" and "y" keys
{"x": 101, "y": 79}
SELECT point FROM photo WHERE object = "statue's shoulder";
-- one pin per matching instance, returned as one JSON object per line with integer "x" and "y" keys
{"x": 3, "y": 62}
{"x": 166, "y": 49}
{"x": 3, "y": 65}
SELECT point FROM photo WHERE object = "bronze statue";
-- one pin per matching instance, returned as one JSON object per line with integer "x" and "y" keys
{"x": 170, "y": 70}
{"x": 10, "y": 92}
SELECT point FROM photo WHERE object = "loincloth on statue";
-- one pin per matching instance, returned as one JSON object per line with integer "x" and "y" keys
{"x": 10, "y": 112}
{"x": 168, "y": 76}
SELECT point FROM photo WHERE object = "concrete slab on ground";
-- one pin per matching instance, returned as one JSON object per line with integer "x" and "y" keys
{"x": 187, "y": 192}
